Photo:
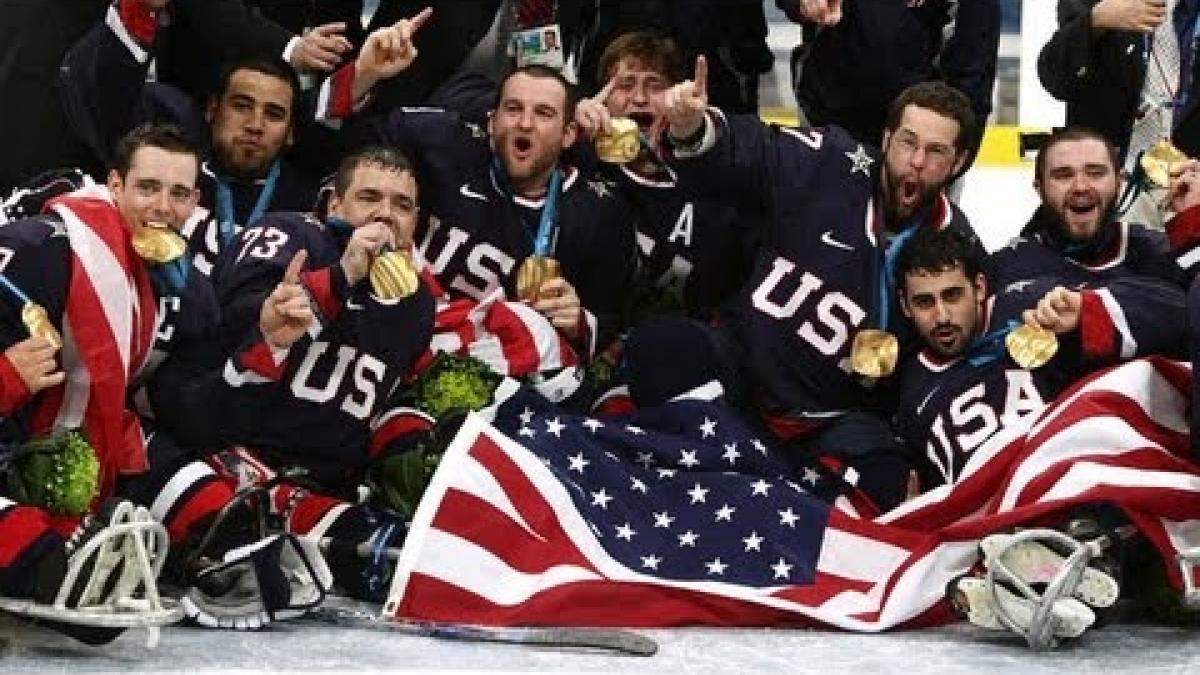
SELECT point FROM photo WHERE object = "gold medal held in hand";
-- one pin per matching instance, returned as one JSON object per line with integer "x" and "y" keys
{"x": 158, "y": 243}
{"x": 38, "y": 323}
{"x": 874, "y": 352}
{"x": 621, "y": 146}
{"x": 535, "y": 271}
{"x": 1158, "y": 161}
{"x": 1031, "y": 346}
{"x": 393, "y": 276}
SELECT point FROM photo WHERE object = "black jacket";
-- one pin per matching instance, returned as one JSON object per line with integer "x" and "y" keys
{"x": 881, "y": 47}
{"x": 1099, "y": 74}
{"x": 34, "y": 35}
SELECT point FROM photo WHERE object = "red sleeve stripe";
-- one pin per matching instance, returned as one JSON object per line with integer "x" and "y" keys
{"x": 1096, "y": 331}
{"x": 335, "y": 101}
{"x": 1183, "y": 231}
{"x": 403, "y": 423}
{"x": 13, "y": 390}
{"x": 324, "y": 291}
{"x": 263, "y": 361}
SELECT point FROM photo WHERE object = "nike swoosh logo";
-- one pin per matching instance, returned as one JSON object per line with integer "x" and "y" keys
{"x": 468, "y": 192}
{"x": 353, "y": 306}
{"x": 827, "y": 238}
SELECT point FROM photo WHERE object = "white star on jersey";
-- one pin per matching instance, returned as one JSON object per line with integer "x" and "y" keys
{"x": 860, "y": 161}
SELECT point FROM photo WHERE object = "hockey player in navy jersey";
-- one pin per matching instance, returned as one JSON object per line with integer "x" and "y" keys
{"x": 694, "y": 250}
{"x": 249, "y": 127}
{"x": 1076, "y": 233}
{"x": 488, "y": 207}
{"x": 322, "y": 388}
{"x": 833, "y": 209}
{"x": 963, "y": 386}
{"x": 75, "y": 277}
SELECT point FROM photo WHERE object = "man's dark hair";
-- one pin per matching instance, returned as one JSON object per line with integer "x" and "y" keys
{"x": 270, "y": 66}
{"x": 167, "y": 137}
{"x": 942, "y": 99}
{"x": 655, "y": 51}
{"x": 546, "y": 72}
{"x": 1067, "y": 135}
{"x": 933, "y": 251}
{"x": 384, "y": 157}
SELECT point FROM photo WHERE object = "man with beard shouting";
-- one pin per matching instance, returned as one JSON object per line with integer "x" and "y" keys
{"x": 820, "y": 297}
{"x": 498, "y": 200}
{"x": 1074, "y": 235}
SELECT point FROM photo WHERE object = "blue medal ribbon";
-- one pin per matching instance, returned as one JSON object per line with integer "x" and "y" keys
{"x": 887, "y": 276}
{"x": 169, "y": 278}
{"x": 226, "y": 220}
{"x": 988, "y": 348}
{"x": 546, "y": 236}
{"x": 14, "y": 289}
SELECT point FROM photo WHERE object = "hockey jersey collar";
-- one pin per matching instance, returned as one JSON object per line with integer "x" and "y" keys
{"x": 937, "y": 215}
{"x": 571, "y": 175}
{"x": 1106, "y": 249}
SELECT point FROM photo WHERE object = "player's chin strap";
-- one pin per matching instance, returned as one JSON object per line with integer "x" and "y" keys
{"x": 1039, "y": 630}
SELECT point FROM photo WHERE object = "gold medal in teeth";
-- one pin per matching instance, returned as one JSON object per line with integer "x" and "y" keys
{"x": 158, "y": 243}
{"x": 393, "y": 276}
{"x": 621, "y": 146}
{"x": 535, "y": 271}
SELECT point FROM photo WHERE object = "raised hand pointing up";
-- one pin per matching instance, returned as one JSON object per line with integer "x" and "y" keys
{"x": 387, "y": 52}
{"x": 286, "y": 313}
{"x": 687, "y": 102}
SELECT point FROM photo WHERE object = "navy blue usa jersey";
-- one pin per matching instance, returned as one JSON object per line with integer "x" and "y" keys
{"x": 321, "y": 397}
{"x": 949, "y": 407}
{"x": 477, "y": 237}
{"x": 1117, "y": 250}
{"x": 816, "y": 279}
{"x": 693, "y": 253}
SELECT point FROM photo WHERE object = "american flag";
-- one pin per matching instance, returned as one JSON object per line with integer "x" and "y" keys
{"x": 679, "y": 515}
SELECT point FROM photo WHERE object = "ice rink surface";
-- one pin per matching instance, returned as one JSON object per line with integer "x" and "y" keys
{"x": 303, "y": 646}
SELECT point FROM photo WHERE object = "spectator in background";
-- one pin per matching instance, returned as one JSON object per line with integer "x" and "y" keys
{"x": 34, "y": 37}
{"x": 191, "y": 59}
{"x": 862, "y": 53}
{"x": 1126, "y": 68}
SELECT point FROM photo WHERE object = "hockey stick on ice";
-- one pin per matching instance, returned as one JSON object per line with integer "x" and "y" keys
{"x": 605, "y": 640}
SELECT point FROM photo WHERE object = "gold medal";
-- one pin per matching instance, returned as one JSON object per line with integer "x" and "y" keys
{"x": 393, "y": 276}
{"x": 1158, "y": 161}
{"x": 158, "y": 243}
{"x": 38, "y": 323}
{"x": 621, "y": 146}
{"x": 874, "y": 352}
{"x": 535, "y": 271}
{"x": 1031, "y": 346}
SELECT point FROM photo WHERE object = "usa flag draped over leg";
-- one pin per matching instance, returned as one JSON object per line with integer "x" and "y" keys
{"x": 680, "y": 515}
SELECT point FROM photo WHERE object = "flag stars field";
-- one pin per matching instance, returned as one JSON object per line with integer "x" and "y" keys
{"x": 753, "y": 542}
